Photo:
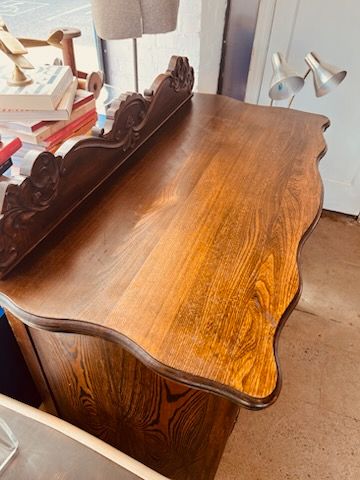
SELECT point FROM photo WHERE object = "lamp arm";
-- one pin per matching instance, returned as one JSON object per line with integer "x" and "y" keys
{"x": 304, "y": 77}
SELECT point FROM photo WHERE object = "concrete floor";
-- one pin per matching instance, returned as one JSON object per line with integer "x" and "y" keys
{"x": 313, "y": 430}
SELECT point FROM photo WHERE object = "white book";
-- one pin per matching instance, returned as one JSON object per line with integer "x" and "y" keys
{"x": 27, "y": 120}
{"x": 49, "y": 85}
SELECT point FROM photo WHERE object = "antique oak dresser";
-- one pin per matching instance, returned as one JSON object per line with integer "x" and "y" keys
{"x": 152, "y": 313}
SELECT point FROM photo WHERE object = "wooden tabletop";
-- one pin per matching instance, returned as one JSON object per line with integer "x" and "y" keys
{"x": 188, "y": 256}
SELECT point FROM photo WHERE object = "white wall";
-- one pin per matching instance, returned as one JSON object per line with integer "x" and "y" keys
{"x": 211, "y": 40}
{"x": 198, "y": 36}
{"x": 330, "y": 28}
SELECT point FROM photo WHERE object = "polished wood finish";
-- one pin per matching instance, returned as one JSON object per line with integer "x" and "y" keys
{"x": 57, "y": 185}
{"x": 188, "y": 257}
{"x": 176, "y": 430}
{"x": 184, "y": 263}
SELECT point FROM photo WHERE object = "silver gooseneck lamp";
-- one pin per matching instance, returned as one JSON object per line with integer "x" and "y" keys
{"x": 286, "y": 82}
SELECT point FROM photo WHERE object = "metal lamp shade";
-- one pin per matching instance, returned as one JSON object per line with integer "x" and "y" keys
{"x": 285, "y": 81}
{"x": 326, "y": 77}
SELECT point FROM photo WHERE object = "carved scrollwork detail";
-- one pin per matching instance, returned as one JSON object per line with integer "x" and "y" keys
{"x": 8, "y": 251}
{"x": 130, "y": 116}
{"x": 22, "y": 201}
{"x": 128, "y": 121}
{"x": 55, "y": 185}
{"x": 37, "y": 191}
{"x": 181, "y": 74}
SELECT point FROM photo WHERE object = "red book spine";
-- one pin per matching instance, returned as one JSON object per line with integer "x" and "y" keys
{"x": 42, "y": 123}
{"x": 76, "y": 105}
{"x": 82, "y": 101}
{"x": 9, "y": 149}
{"x": 71, "y": 127}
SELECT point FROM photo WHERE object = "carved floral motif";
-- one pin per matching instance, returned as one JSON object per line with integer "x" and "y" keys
{"x": 182, "y": 74}
{"x": 23, "y": 201}
{"x": 128, "y": 119}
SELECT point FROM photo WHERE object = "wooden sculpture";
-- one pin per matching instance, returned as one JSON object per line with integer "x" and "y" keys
{"x": 16, "y": 49}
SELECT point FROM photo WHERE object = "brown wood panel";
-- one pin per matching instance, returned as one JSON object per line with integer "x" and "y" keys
{"x": 27, "y": 349}
{"x": 188, "y": 256}
{"x": 178, "y": 431}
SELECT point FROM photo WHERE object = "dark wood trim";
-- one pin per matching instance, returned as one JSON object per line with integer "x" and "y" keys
{"x": 297, "y": 296}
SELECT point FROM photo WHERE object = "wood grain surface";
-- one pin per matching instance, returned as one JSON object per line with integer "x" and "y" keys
{"x": 32, "y": 360}
{"x": 188, "y": 256}
{"x": 98, "y": 386}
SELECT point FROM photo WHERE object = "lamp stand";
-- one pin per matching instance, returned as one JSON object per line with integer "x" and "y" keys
{"x": 136, "y": 66}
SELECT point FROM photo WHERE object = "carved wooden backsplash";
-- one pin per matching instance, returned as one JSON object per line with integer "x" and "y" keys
{"x": 33, "y": 205}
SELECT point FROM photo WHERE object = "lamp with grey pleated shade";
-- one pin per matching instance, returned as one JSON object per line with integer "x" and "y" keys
{"x": 326, "y": 77}
{"x": 285, "y": 81}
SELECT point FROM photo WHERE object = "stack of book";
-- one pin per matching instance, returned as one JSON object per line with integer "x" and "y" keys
{"x": 47, "y": 112}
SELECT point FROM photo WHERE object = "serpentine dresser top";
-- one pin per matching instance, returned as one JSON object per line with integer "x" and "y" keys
{"x": 188, "y": 255}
